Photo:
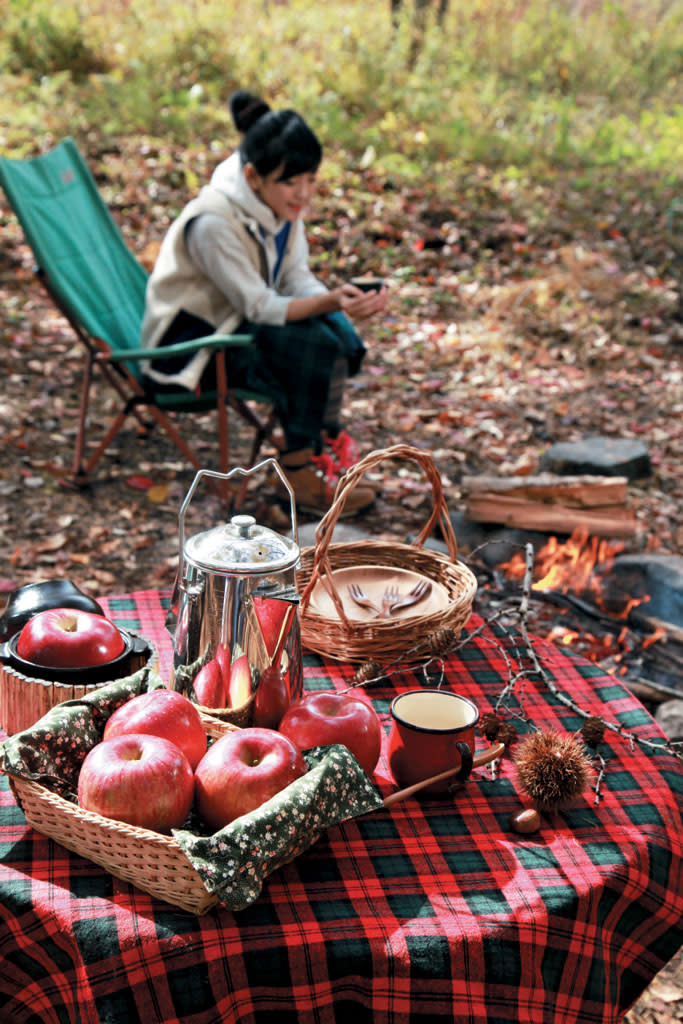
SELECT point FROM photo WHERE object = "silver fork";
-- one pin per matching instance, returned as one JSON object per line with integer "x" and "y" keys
{"x": 361, "y": 598}
{"x": 421, "y": 589}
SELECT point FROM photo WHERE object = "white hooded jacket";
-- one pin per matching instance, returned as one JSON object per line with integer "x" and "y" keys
{"x": 222, "y": 269}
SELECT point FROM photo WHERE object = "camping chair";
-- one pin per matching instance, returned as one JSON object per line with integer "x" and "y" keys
{"x": 99, "y": 286}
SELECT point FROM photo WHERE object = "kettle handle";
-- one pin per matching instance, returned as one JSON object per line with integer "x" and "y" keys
{"x": 214, "y": 474}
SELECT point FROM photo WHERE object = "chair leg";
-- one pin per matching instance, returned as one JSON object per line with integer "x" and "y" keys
{"x": 102, "y": 447}
{"x": 77, "y": 469}
{"x": 263, "y": 431}
{"x": 222, "y": 412}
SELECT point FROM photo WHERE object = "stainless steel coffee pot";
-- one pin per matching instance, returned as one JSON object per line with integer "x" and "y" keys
{"x": 235, "y": 599}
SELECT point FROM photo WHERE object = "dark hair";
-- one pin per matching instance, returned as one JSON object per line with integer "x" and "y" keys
{"x": 274, "y": 138}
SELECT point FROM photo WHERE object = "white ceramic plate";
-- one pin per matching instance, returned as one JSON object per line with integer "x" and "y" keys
{"x": 373, "y": 581}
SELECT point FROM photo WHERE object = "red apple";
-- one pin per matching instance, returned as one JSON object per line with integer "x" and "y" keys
{"x": 319, "y": 719}
{"x": 272, "y": 698}
{"x": 164, "y": 713}
{"x": 242, "y": 770}
{"x": 69, "y": 638}
{"x": 209, "y": 686}
{"x": 271, "y": 613}
{"x": 239, "y": 686}
{"x": 140, "y": 779}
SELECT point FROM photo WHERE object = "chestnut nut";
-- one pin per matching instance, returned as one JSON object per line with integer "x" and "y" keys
{"x": 526, "y": 821}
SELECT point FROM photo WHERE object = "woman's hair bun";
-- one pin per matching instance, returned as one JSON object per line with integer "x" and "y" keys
{"x": 246, "y": 109}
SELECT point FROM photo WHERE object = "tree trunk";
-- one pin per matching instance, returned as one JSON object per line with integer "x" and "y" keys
{"x": 420, "y": 14}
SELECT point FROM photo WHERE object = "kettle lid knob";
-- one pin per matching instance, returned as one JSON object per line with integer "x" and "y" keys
{"x": 243, "y": 524}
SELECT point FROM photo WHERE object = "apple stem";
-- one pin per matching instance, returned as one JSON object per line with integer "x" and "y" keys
{"x": 284, "y": 632}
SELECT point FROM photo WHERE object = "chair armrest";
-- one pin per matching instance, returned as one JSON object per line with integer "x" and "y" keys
{"x": 122, "y": 355}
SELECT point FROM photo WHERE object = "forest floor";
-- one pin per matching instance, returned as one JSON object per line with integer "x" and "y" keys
{"x": 520, "y": 316}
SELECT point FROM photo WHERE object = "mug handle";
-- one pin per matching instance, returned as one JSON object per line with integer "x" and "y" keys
{"x": 466, "y": 761}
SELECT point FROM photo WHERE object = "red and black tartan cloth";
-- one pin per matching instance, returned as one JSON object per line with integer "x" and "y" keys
{"x": 431, "y": 910}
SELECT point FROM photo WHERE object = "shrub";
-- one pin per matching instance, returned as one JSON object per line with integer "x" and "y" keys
{"x": 43, "y": 39}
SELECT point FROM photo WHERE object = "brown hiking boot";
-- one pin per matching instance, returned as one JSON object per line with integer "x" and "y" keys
{"x": 313, "y": 479}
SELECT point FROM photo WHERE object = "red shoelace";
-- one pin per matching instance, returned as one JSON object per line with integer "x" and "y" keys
{"x": 344, "y": 451}
{"x": 328, "y": 469}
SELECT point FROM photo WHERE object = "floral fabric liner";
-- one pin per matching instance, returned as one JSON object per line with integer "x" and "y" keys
{"x": 233, "y": 862}
{"x": 52, "y": 751}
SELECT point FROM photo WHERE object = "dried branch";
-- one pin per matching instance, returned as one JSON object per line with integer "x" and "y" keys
{"x": 516, "y": 674}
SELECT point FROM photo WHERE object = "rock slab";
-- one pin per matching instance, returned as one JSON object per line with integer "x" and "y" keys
{"x": 598, "y": 456}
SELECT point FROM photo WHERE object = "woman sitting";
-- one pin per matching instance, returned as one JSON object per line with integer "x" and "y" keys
{"x": 236, "y": 261}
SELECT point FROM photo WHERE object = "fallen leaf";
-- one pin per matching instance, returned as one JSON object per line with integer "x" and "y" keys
{"x": 140, "y": 483}
{"x": 53, "y": 543}
{"x": 158, "y": 494}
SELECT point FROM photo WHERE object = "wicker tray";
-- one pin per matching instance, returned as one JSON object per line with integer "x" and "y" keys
{"x": 336, "y": 636}
{"x": 153, "y": 862}
{"x": 24, "y": 699}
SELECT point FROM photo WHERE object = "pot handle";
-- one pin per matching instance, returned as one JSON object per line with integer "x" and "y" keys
{"x": 138, "y": 644}
{"x": 5, "y": 653}
{"x": 214, "y": 474}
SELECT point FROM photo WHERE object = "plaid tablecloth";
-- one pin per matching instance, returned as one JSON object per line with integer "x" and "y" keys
{"x": 431, "y": 910}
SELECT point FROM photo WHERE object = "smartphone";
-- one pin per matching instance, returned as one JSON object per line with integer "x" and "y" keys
{"x": 368, "y": 284}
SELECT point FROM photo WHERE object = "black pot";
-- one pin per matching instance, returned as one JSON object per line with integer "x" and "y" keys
{"x": 123, "y": 665}
{"x": 27, "y": 601}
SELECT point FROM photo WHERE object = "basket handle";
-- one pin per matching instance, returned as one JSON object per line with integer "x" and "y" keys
{"x": 325, "y": 528}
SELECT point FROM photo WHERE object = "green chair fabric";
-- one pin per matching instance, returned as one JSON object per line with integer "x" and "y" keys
{"x": 77, "y": 244}
{"x": 99, "y": 285}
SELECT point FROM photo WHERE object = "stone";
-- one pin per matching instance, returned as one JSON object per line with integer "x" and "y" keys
{"x": 497, "y": 543}
{"x": 653, "y": 575}
{"x": 669, "y": 717}
{"x": 599, "y": 456}
{"x": 344, "y": 533}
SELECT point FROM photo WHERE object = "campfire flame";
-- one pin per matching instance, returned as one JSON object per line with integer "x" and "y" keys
{"x": 577, "y": 567}
{"x": 571, "y": 566}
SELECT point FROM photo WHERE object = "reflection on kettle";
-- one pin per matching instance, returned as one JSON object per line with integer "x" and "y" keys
{"x": 233, "y": 613}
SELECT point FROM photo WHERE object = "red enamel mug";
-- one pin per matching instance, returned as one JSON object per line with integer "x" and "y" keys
{"x": 433, "y": 731}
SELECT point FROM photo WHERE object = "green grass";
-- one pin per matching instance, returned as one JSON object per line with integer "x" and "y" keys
{"x": 524, "y": 86}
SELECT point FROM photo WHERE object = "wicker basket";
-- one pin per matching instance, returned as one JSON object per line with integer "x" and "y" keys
{"x": 24, "y": 699}
{"x": 382, "y": 639}
{"x": 241, "y": 717}
{"x": 153, "y": 862}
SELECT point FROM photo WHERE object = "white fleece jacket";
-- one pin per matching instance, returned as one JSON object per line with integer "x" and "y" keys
{"x": 217, "y": 261}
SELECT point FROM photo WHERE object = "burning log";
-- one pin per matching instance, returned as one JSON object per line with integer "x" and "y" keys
{"x": 552, "y": 503}
{"x": 608, "y": 627}
{"x": 666, "y": 630}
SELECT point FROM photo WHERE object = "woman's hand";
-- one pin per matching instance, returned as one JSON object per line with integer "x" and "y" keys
{"x": 358, "y": 305}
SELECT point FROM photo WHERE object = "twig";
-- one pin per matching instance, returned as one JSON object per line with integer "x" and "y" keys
{"x": 544, "y": 676}
{"x": 526, "y": 648}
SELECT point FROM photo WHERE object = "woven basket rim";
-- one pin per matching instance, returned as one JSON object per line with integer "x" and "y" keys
{"x": 107, "y": 843}
{"x": 224, "y": 715}
{"x": 382, "y": 639}
{"x": 195, "y": 898}
{"x": 453, "y": 573}
{"x": 120, "y": 828}
{"x": 344, "y": 638}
